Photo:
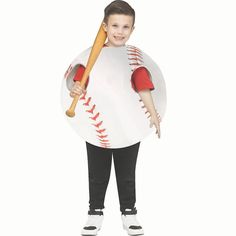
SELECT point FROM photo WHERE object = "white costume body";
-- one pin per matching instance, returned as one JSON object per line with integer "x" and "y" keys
{"x": 111, "y": 114}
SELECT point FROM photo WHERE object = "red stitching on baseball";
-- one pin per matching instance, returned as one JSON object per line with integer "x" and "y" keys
{"x": 101, "y": 131}
{"x": 104, "y": 140}
{"x": 95, "y": 117}
{"x": 88, "y": 101}
{"x": 131, "y": 46}
{"x": 68, "y": 71}
{"x": 136, "y": 51}
{"x": 134, "y": 54}
{"x": 98, "y": 125}
{"x": 83, "y": 98}
{"x": 105, "y": 145}
{"x": 91, "y": 111}
{"x": 135, "y": 64}
{"x": 102, "y": 136}
{"x": 135, "y": 58}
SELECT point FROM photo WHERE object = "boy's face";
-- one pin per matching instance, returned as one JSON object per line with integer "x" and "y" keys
{"x": 119, "y": 28}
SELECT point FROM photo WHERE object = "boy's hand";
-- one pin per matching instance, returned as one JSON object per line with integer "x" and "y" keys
{"x": 155, "y": 120}
{"x": 77, "y": 89}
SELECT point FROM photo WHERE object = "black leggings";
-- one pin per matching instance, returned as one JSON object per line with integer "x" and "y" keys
{"x": 99, "y": 168}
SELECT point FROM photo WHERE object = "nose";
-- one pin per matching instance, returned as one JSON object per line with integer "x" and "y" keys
{"x": 120, "y": 30}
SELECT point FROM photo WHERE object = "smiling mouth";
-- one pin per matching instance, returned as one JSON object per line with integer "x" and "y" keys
{"x": 118, "y": 38}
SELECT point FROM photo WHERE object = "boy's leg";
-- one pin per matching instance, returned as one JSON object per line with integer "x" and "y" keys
{"x": 99, "y": 168}
{"x": 125, "y": 164}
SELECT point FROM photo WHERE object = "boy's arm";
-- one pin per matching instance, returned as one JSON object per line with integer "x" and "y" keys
{"x": 142, "y": 84}
{"x": 146, "y": 97}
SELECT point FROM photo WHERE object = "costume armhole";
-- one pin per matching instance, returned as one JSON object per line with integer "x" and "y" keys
{"x": 70, "y": 77}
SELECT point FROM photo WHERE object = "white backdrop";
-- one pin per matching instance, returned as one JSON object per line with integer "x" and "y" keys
{"x": 185, "y": 180}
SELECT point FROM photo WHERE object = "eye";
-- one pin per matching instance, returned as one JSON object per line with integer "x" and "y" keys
{"x": 126, "y": 27}
{"x": 115, "y": 25}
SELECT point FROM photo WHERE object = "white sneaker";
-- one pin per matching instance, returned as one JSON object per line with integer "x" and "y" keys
{"x": 94, "y": 222}
{"x": 130, "y": 223}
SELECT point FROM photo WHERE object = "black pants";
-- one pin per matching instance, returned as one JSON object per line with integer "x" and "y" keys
{"x": 99, "y": 168}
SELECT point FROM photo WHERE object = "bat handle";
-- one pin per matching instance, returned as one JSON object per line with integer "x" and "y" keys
{"x": 71, "y": 111}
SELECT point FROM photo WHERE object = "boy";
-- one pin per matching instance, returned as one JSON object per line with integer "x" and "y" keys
{"x": 119, "y": 24}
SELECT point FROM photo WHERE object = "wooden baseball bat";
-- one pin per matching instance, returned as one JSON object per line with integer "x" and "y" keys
{"x": 95, "y": 51}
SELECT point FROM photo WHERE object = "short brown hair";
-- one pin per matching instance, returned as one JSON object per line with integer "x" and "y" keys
{"x": 118, "y": 7}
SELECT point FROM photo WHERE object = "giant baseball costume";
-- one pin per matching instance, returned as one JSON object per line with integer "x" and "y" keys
{"x": 111, "y": 114}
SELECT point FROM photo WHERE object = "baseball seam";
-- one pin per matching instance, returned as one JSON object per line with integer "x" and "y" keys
{"x": 135, "y": 58}
{"x": 68, "y": 71}
{"x": 94, "y": 115}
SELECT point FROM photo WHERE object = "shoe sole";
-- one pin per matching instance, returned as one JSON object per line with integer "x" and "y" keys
{"x": 127, "y": 230}
{"x": 82, "y": 234}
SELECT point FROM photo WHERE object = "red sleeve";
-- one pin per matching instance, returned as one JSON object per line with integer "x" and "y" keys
{"x": 141, "y": 80}
{"x": 79, "y": 73}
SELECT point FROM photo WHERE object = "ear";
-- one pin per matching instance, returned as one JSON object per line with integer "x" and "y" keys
{"x": 132, "y": 29}
{"x": 104, "y": 25}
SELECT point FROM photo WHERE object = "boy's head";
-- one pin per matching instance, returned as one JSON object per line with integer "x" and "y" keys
{"x": 118, "y": 22}
{"x": 118, "y": 7}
